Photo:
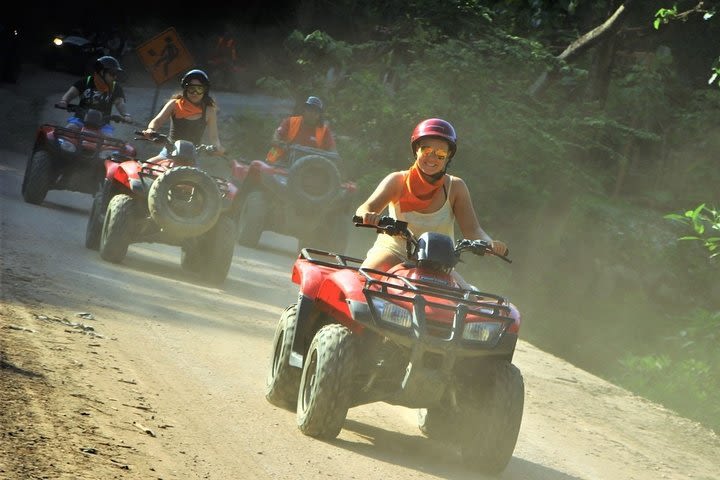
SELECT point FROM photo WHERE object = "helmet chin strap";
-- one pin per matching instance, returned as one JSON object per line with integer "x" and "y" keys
{"x": 436, "y": 176}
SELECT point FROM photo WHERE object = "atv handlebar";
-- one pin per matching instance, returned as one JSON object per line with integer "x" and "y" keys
{"x": 71, "y": 107}
{"x": 157, "y": 137}
{"x": 302, "y": 149}
{"x": 391, "y": 226}
{"x": 386, "y": 225}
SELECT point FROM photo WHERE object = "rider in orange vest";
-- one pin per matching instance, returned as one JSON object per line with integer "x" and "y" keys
{"x": 308, "y": 129}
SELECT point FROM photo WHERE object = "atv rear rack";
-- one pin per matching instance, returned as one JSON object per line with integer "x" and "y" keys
{"x": 98, "y": 139}
{"x": 340, "y": 261}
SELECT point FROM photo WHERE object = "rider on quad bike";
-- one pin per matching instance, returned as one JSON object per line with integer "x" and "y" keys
{"x": 170, "y": 201}
{"x": 99, "y": 91}
{"x": 191, "y": 113}
{"x": 70, "y": 158}
{"x": 425, "y": 196}
{"x": 299, "y": 189}
{"x": 402, "y": 326}
{"x": 308, "y": 129}
{"x": 411, "y": 336}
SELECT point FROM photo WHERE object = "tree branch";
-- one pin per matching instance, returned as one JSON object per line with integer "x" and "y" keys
{"x": 580, "y": 45}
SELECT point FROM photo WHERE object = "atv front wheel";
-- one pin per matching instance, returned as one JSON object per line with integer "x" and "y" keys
{"x": 492, "y": 414}
{"x": 283, "y": 381}
{"x": 324, "y": 396}
{"x": 117, "y": 228}
{"x": 37, "y": 177}
{"x": 93, "y": 231}
{"x": 251, "y": 221}
{"x": 184, "y": 202}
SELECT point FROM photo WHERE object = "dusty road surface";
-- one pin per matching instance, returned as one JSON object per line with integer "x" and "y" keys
{"x": 136, "y": 371}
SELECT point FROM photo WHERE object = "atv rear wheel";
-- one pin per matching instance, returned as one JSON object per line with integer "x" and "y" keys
{"x": 492, "y": 418}
{"x": 184, "y": 202}
{"x": 117, "y": 228}
{"x": 93, "y": 231}
{"x": 251, "y": 222}
{"x": 37, "y": 177}
{"x": 324, "y": 396}
{"x": 283, "y": 381}
{"x": 211, "y": 256}
{"x": 313, "y": 180}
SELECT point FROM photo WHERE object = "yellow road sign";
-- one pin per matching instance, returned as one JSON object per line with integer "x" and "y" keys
{"x": 165, "y": 56}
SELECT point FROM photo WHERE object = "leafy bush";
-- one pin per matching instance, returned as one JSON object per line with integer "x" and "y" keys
{"x": 686, "y": 376}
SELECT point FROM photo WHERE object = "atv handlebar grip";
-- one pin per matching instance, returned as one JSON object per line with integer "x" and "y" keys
{"x": 357, "y": 219}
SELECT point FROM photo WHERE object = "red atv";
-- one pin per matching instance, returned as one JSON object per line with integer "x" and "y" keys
{"x": 70, "y": 159}
{"x": 172, "y": 201}
{"x": 305, "y": 197}
{"x": 410, "y": 336}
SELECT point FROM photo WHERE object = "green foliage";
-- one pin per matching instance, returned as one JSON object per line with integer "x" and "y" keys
{"x": 664, "y": 15}
{"x": 686, "y": 377}
{"x": 705, "y": 222}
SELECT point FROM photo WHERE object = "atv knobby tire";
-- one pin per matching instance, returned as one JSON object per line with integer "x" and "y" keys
{"x": 251, "y": 221}
{"x": 117, "y": 228}
{"x": 313, "y": 180}
{"x": 173, "y": 213}
{"x": 491, "y": 415}
{"x": 325, "y": 385}
{"x": 283, "y": 381}
{"x": 37, "y": 177}
{"x": 93, "y": 231}
{"x": 210, "y": 256}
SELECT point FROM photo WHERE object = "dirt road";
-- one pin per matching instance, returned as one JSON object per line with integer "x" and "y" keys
{"x": 136, "y": 371}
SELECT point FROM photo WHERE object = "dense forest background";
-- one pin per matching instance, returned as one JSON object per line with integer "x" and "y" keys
{"x": 575, "y": 148}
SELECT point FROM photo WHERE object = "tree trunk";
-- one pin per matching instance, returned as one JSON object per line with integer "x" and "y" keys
{"x": 601, "y": 71}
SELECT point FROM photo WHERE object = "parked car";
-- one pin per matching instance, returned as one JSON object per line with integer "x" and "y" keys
{"x": 71, "y": 53}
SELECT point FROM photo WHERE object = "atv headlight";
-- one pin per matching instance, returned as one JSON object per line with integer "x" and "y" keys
{"x": 391, "y": 313}
{"x": 66, "y": 146}
{"x": 487, "y": 332}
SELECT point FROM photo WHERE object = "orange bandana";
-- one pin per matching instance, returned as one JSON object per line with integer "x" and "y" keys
{"x": 100, "y": 84}
{"x": 185, "y": 108}
{"x": 417, "y": 192}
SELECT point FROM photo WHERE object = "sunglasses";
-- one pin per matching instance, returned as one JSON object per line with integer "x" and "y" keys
{"x": 440, "y": 153}
{"x": 196, "y": 89}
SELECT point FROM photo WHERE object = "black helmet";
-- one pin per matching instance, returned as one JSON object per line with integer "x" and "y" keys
{"x": 314, "y": 102}
{"x": 107, "y": 63}
{"x": 196, "y": 74}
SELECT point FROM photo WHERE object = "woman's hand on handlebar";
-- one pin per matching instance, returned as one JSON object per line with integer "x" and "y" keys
{"x": 369, "y": 218}
{"x": 499, "y": 248}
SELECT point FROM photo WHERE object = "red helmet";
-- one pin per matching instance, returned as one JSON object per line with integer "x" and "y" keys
{"x": 434, "y": 127}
